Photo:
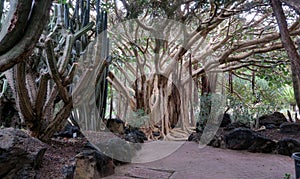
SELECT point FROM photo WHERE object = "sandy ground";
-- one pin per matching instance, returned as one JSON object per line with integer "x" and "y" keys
{"x": 192, "y": 162}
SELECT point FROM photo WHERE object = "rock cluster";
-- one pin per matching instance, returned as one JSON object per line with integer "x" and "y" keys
{"x": 276, "y": 119}
{"x": 119, "y": 150}
{"x": 93, "y": 164}
{"x": 247, "y": 139}
{"x": 99, "y": 159}
{"x": 89, "y": 163}
{"x": 8, "y": 114}
{"x": 69, "y": 131}
{"x": 20, "y": 154}
{"x": 129, "y": 133}
{"x": 292, "y": 128}
{"x": 238, "y": 136}
{"x": 288, "y": 146}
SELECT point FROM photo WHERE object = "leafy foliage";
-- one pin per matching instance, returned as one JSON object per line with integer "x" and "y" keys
{"x": 271, "y": 93}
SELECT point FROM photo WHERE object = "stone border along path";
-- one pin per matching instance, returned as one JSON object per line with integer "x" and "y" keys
{"x": 192, "y": 162}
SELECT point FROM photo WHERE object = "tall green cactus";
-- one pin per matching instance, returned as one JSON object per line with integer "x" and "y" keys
{"x": 43, "y": 84}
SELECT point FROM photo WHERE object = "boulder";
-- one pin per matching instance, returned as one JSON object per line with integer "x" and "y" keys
{"x": 290, "y": 128}
{"x": 235, "y": 125}
{"x": 69, "y": 131}
{"x": 263, "y": 145}
{"x": 134, "y": 135}
{"x": 215, "y": 141}
{"x": 92, "y": 164}
{"x": 20, "y": 154}
{"x": 226, "y": 120}
{"x": 276, "y": 119}
{"x": 240, "y": 139}
{"x": 116, "y": 125}
{"x": 8, "y": 114}
{"x": 68, "y": 171}
{"x": 195, "y": 137}
{"x": 199, "y": 127}
{"x": 118, "y": 149}
{"x": 288, "y": 146}
{"x": 134, "y": 138}
{"x": 246, "y": 139}
{"x": 271, "y": 126}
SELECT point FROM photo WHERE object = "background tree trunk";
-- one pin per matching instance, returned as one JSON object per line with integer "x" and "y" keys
{"x": 289, "y": 46}
{"x": 205, "y": 102}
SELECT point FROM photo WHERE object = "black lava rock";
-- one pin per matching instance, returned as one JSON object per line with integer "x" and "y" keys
{"x": 116, "y": 125}
{"x": 288, "y": 146}
{"x": 68, "y": 131}
{"x": 226, "y": 120}
{"x": 235, "y": 125}
{"x": 246, "y": 139}
{"x": 291, "y": 128}
{"x": 276, "y": 119}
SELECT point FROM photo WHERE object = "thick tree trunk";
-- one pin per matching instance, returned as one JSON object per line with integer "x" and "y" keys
{"x": 174, "y": 106}
{"x": 289, "y": 47}
{"x": 160, "y": 99}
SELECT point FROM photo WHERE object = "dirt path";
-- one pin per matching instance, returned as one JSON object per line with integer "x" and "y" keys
{"x": 192, "y": 162}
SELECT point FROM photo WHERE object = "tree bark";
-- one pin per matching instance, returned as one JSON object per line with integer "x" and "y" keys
{"x": 289, "y": 46}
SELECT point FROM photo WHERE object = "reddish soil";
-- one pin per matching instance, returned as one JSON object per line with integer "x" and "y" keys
{"x": 192, "y": 162}
{"x": 60, "y": 152}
